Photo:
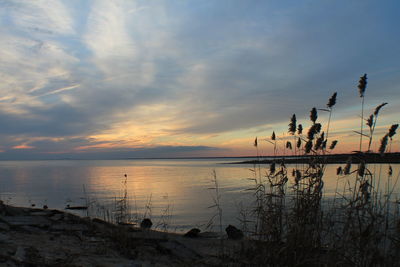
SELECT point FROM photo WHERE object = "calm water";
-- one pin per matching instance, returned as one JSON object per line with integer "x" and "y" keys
{"x": 179, "y": 188}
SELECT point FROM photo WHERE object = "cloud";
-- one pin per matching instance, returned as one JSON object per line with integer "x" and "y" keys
{"x": 23, "y": 146}
{"x": 107, "y": 28}
{"x": 63, "y": 89}
{"x": 145, "y": 74}
{"x": 41, "y": 16}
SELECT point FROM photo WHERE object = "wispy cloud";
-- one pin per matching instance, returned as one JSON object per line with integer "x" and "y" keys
{"x": 45, "y": 17}
{"x": 59, "y": 90}
{"x": 107, "y": 31}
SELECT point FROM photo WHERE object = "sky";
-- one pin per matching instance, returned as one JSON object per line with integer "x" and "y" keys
{"x": 176, "y": 78}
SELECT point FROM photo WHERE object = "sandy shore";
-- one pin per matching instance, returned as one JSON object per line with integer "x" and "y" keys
{"x": 45, "y": 237}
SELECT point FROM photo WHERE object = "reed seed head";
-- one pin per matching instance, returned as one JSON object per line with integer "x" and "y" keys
{"x": 292, "y": 125}
{"x": 332, "y": 100}
{"x": 392, "y": 130}
{"x": 390, "y": 171}
{"x": 347, "y": 167}
{"x": 324, "y": 144}
{"x": 311, "y": 133}
{"x": 299, "y": 129}
{"x": 314, "y": 129}
{"x": 308, "y": 146}
{"x": 378, "y": 108}
{"x": 289, "y": 145}
{"x": 318, "y": 127}
{"x": 298, "y": 142}
{"x": 255, "y": 142}
{"x": 333, "y": 144}
{"x": 339, "y": 171}
{"x": 370, "y": 121}
{"x": 364, "y": 188}
{"x": 320, "y": 140}
{"x": 273, "y": 137}
{"x": 313, "y": 115}
{"x": 362, "y": 84}
{"x": 272, "y": 168}
{"x": 383, "y": 145}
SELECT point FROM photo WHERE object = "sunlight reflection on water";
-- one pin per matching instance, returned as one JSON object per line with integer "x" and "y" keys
{"x": 181, "y": 185}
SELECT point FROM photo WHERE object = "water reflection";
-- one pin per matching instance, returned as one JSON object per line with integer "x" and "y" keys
{"x": 181, "y": 185}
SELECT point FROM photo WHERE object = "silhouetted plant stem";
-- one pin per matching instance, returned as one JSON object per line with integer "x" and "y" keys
{"x": 374, "y": 116}
{"x": 362, "y": 84}
{"x": 362, "y": 122}
{"x": 329, "y": 122}
{"x": 372, "y": 133}
{"x": 217, "y": 201}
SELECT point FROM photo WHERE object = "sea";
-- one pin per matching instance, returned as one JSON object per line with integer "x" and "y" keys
{"x": 177, "y": 194}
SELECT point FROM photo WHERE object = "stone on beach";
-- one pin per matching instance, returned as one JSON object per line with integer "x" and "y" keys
{"x": 146, "y": 224}
{"x": 192, "y": 233}
{"x": 233, "y": 232}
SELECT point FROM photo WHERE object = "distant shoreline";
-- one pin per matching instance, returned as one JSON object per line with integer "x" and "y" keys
{"x": 329, "y": 159}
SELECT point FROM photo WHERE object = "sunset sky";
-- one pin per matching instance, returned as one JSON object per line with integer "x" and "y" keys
{"x": 175, "y": 78}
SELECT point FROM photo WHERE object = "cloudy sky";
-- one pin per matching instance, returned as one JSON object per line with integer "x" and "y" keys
{"x": 188, "y": 78}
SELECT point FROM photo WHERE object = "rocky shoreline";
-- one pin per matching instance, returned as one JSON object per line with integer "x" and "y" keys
{"x": 45, "y": 237}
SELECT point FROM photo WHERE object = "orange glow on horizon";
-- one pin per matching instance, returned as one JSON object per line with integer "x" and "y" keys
{"x": 23, "y": 146}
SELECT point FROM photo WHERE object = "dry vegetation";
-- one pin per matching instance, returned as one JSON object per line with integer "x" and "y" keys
{"x": 295, "y": 226}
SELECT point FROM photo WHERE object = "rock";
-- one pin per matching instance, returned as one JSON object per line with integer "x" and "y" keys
{"x": 57, "y": 217}
{"x": 179, "y": 250}
{"x": 20, "y": 254}
{"x": 33, "y": 257}
{"x": 4, "y": 237}
{"x": 209, "y": 235}
{"x": 7, "y": 249}
{"x": 32, "y": 229}
{"x": 193, "y": 233}
{"x": 234, "y": 233}
{"x": 40, "y": 213}
{"x": 13, "y": 211}
{"x": 72, "y": 218}
{"x": 146, "y": 224}
{"x": 2, "y": 206}
{"x": 102, "y": 226}
{"x": 28, "y": 255}
{"x": 4, "y": 227}
{"x": 69, "y": 227}
{"x": 25, "y": 220}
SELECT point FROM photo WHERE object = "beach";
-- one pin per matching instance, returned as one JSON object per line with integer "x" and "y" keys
{"x": 46, "y": 237}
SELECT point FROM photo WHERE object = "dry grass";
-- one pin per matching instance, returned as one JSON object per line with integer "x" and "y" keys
{"x": 292, "y": 222}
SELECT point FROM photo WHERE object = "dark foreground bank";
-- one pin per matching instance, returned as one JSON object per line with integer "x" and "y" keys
{"x": 45, "y": 237}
